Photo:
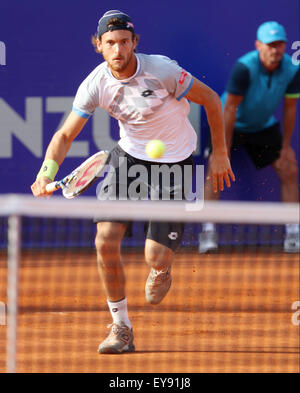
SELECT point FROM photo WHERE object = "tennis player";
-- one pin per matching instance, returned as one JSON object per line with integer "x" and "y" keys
{"x": 148, "y": 94}
{"x": 258, "y": 82}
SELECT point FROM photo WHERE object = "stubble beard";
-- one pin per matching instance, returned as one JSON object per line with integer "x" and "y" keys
{"x": 120, "y": 67}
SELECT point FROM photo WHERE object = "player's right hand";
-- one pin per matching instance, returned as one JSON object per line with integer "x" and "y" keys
{"x": 38, "y": 188}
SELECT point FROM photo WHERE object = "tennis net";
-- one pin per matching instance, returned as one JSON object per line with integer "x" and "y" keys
{"x": 233, "y": 310}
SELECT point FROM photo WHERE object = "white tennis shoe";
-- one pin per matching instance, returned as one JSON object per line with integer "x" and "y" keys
{"x": 291, "y": 243}
{"x": 208, "y": 241}
{"x": 119, "y": 340}
{"x": 157, "y": 285}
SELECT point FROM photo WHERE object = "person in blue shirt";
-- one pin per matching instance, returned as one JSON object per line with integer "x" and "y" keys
{"x": 258, "y": 82}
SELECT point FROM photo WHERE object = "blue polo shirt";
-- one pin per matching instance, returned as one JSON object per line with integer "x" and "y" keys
{"x": 262, "y": 91}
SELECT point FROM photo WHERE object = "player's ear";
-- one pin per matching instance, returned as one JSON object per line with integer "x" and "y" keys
{"x": 135, "y": 41}
{"x": 99, "y": 45}
{"x": 257, "y": 44}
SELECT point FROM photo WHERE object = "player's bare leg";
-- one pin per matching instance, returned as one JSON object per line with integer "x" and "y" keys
{"x": 110, "y": 267}
{"x": 159, "y": 258}
{"x": 288, "y": 174}
{"x": 287, "y": 170}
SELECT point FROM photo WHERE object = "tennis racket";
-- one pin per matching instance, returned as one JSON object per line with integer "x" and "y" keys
{"x": 81, "y": 178}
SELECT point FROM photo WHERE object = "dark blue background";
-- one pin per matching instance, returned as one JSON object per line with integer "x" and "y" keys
{"x": 49, "y": 54}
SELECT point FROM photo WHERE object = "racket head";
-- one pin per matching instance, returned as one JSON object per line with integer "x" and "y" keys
{"x": 85, "y": 175}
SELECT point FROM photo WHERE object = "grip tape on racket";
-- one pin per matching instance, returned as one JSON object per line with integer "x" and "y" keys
{"x": 52, "y": 186}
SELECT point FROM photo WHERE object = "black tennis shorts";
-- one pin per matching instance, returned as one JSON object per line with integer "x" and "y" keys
{"x": 130, "y": 178}
{"x": 263, "y": 147}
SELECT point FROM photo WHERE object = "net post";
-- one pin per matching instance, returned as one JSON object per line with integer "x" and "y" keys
{"x": 14, "y": 250}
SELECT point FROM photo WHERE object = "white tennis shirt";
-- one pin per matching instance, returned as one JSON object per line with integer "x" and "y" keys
{"x": 148, "y": 105}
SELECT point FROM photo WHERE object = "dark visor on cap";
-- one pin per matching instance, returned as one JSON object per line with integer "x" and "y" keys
{"x": 105, "y": 25}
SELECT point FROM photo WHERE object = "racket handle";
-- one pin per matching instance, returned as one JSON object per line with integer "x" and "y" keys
{"x": 51, "y": 187}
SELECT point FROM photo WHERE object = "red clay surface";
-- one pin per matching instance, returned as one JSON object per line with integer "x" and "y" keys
{"x": 224, "y": 313}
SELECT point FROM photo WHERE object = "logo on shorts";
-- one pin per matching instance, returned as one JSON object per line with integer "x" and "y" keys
{"x": 147, "y": 93}
{"x": 114, "y": 310}
{"x": 173, "y": 235}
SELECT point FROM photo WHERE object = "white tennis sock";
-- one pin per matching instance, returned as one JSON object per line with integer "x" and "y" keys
{"x": 119, "y": 312}
{"x": 292, "y": 229}
{"x": 208, "y": 227}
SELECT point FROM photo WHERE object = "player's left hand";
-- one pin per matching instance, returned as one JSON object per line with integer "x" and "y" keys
{"x": 220, "y": 170}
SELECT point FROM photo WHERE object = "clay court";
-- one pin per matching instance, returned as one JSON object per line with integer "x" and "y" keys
{"x": 225, "y": 312}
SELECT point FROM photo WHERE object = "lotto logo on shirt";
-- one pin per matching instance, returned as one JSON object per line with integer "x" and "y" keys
{"x": 182, "y": 77}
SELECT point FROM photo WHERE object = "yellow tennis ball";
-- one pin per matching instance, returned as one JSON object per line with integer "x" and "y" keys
{"x": 155, "y": 148}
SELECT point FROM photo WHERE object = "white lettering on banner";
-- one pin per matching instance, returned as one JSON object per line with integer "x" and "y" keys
{"x": 195, "y": 119}
{"x": 28, "y": 130}
{"x": 101, "y": 130}
{"x": 2, "y": 53}
{"x": 63, "y": 104}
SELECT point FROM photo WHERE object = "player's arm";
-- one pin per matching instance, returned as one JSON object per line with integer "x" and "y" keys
{"x": 57, "y": 151}
{"x": 289, "y": 109}
{"x": 230, "y": 109}
{"x": 237, "y": 86}
{"x": 289, "y": 118}
{"x": 220, "y": 168}
{"x": 288, "y": 123}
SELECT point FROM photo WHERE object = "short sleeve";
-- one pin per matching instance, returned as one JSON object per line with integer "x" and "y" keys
{"x": 86, "y": 100}
{"x": 176, "y": 80}
{"x": 239, "y": 80}
{"x": 293, "y": 89}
